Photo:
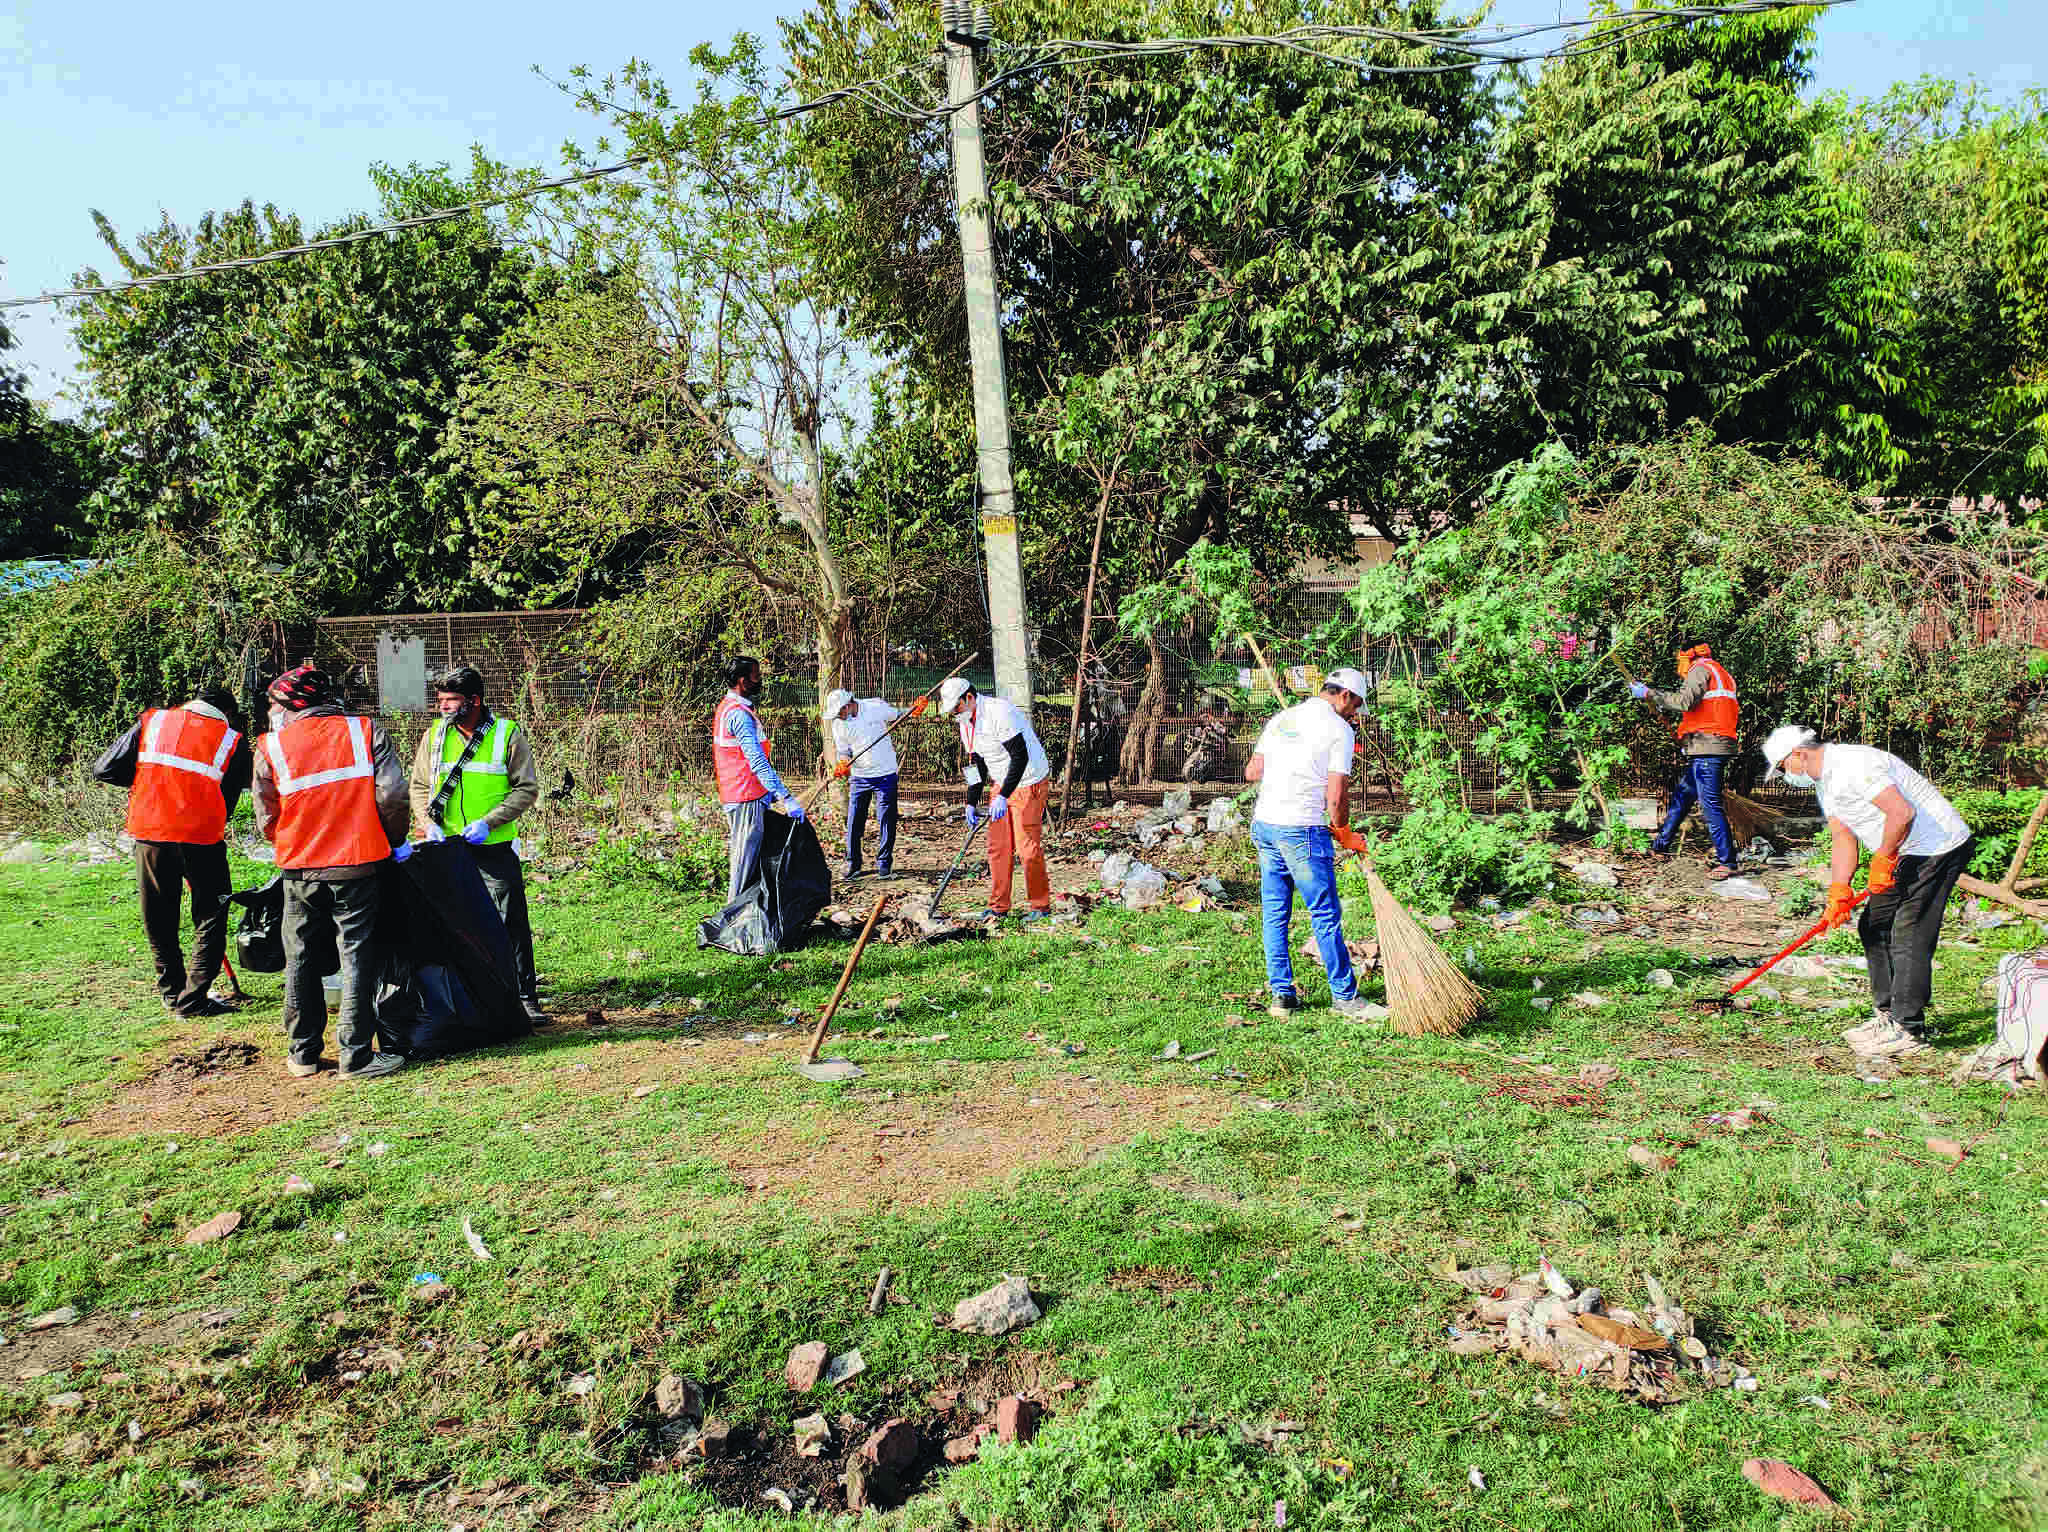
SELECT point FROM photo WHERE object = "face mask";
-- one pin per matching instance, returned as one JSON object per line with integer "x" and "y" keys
{"x": 1799, "y": 779}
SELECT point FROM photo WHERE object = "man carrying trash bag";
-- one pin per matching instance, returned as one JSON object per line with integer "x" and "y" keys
{"x": 747, "y": 784}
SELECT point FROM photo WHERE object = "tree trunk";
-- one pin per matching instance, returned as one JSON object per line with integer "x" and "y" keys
{"x": 1141, "y": 742}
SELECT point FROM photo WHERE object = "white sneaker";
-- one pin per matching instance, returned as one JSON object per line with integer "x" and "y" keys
{"x": 1882, "y": 1038}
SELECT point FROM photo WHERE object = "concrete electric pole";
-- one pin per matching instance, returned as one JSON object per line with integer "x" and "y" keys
{"x": 967, "y": 30}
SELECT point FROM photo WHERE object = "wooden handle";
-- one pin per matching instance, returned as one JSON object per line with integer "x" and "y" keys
{"x": 845, "y": 978}
{"x": 942, "y": 680}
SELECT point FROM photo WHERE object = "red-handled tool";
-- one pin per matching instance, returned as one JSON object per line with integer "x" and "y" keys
{"x": 1820, "y": 928}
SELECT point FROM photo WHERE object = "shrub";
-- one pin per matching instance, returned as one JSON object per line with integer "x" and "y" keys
{"x": 1998, "y": 817}
{"x": 1443, "y": 854}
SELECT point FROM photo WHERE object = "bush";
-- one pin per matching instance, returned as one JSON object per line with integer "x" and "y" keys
{"x": 1998, "y": 817}
{"x": 1443, "y": 855}
{"x": 692, "y": 863}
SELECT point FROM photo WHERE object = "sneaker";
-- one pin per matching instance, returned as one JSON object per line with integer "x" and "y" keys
{"x": 1919, "y": 1031}
{"x": 983, "y": 917}
{"x": 1357, "y": 1008}
{"x": 1284, "y": 1005}
{"x": 300, "y": 1071}
{"x": 848, "y": 872}
{"x": 207, "y": 1006}
{"x": 379, "y": 1066}
{"x": 1882, "y": 1038}
{"x": 1027, "y": 917}
{"x": 886, "y": 875}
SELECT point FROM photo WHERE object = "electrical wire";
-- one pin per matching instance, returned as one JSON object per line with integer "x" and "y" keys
{"x": 1475, "y": 48}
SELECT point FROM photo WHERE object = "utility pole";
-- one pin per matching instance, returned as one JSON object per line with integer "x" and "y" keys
{"x": 967, "y": 31}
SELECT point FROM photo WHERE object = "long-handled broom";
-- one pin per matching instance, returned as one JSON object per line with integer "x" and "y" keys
{"x": 1427, "y": 994}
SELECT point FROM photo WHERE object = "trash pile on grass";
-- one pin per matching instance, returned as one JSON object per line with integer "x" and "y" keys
{"x": 1653, "y": 1355}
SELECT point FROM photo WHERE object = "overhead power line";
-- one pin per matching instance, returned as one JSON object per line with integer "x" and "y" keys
{"x": 1471, "y": 49}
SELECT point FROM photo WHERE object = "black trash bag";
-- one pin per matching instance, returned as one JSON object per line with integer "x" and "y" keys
{"x": 772, "y": 913}
{"x": 448, "y": 980}
{"x": 259, "y": 936}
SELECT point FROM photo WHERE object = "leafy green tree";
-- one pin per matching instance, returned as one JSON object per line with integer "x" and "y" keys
{"x": 291, "y": 412}
{"x": 48, "y": 467}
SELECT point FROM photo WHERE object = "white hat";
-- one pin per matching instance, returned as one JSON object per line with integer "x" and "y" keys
{"x": 834, "y": 701}
{"x": 1781, "y": 742}
{"x": 1351, "y": 680}
{"x": 951, "y": 690}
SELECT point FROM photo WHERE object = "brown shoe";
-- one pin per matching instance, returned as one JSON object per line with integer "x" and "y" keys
{"x": 300, "y": 1071}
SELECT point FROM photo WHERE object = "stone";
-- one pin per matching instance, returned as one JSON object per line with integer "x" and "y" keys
{"x": 65, "y": 1403}
{"x": 1441, "y": 924}
{"x": 1661, "y": 978}
{"x": 1596, "y": 875}
{"x": 807, "y": 1365}
{"x": 1017, "y": 1418}
{"x": 964, "y": 1449}
{"x": 679, "y": 1398}
{"x": 893, "y": 1447}
{"x": 1005, "y": 1307}
{"x": 1371, "y": 1011}
{"x": 850, "y": 1364}
{"x": 715, "y": 1440}
{"x": 813, "y": 1435}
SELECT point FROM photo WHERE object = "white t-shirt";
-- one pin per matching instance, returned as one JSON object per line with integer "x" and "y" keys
{"x": 997, "y": 720}
{"x": 869, "y": 723}
{"x": 1851, "y": 777}
{"x": 1304, "y": 747}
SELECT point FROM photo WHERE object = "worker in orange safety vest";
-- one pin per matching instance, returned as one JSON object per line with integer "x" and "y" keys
{"x": 1709, "y": 713}
{"x": 185, "y": 769}
{"x": 331, "y": 796}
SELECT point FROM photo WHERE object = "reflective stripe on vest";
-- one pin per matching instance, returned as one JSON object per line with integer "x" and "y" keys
{"x": 176, "y": 796}
{"x": 327, "y": 793}
{"x": 1717, "y": 712}
{"x": 490, "y": 766}
{"x": 736, "y": 780}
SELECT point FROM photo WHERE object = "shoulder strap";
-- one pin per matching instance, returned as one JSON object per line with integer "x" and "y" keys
{"x": 446, "y": 792}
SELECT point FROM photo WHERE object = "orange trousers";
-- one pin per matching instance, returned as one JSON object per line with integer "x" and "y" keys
{"x": 1020, "y": 833}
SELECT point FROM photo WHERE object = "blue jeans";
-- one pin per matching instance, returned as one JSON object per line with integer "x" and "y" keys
{"x": 1699, "y": 782}
{"x": 1299, "y": 857}
{"x": 883, "y": 791}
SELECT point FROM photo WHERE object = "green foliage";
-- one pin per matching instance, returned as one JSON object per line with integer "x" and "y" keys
{"x": 692, "y": 863}
{"x": 1998, "y": 817}
{"x": 1211, "y": 583}
{"x": 291, "y": 413}
{"x": 145, "y": 627}
{"x": 1443, "y": 854}
{"x": 48, "y": 468}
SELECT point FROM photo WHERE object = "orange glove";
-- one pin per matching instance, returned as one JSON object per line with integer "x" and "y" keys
{"x": 843, "y": 769}
{"x": 1884, "y": 872}
{"x": 1349, "y": 839}
{"x": 917, "y": 708}
{"x": 1840, "y": 899}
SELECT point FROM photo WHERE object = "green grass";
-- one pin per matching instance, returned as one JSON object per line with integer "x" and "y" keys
{"x": 1907, "y": 1293}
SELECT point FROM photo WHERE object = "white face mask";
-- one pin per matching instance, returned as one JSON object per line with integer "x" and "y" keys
{"x": 1799, "y": 779}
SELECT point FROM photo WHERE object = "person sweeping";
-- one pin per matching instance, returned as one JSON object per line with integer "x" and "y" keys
{"x": 1302, "y": 765}
{"x": 1919, "y": 846}
{"x": 1002, "y": 750}
{"x": 861, "y": 747}
{"x": 1708, "y": 714}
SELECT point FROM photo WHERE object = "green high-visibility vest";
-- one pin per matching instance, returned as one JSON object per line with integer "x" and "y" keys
{"x": 485, "y": 778}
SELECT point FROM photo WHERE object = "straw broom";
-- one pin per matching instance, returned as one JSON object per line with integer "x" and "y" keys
{"x": 1427, "y": 994}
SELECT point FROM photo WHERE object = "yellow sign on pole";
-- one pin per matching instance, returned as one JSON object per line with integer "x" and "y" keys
{"x": 999, "y": 526}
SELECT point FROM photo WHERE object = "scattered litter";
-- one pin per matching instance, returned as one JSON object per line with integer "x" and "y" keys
{"x": 476, "y": 1242}
{"x": 1170, "y": 1051}
{"x": 1196, "y": 1058}
{"x": 642, "y": 1091}
{"x": 1476, "y": 1479}
{"x": 1743, "y": 888}
{"x": 1588, "y": 1000}
{"x": 1649, "y": 1158}
{"x": 1816, "y": 1401}
{"x": 1948, "y": 1149}
{"x": 779, "y": 1499}
{"x": 1741, "y": 1120}
{"x": 1596, "y": 875}
{"x": 1661, "y": 978}
{"x": 218, "y": 1227}
{"x": 1143, "y": 887}
{"x": 1598, "y": 1074}
{"x": 1801, "y": 966}
{"x": 813, "y": 1435}
{"x": 297, "y": 1186}
{"x": 1443, "y": 925}
{"x": 1596, "y": 915}
{"x": 581, "y": 1384}
{"x": 1784, "y": 1481}
{"x": 66, "y": 1402}
{"x": 378, "y": 1151}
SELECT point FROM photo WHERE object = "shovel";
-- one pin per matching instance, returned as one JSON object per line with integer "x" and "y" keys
{"x": 1724, "y": 1002}
{"x": 960, "y": 856}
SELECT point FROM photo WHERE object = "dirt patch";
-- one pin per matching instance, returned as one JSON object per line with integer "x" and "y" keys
{"x": 915, "y": 1153}
{"x": 32, "y": 1354}
{"x": 221, "y": 1056}
{"x": 1152, "y": 1279}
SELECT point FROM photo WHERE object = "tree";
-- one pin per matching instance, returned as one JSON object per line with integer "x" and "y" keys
{"x": 1652, "y": 244}
{"x": 292, "y": 412}
{"x": 48, "y": 467}
{"x": 737, "y": 370}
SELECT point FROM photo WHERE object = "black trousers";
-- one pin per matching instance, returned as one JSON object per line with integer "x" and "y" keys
{"x": 1900, "y": 927}
{"x": 162, "y": 869}
{"x": 344, "y": 913}
{"x": 506, "y": 880}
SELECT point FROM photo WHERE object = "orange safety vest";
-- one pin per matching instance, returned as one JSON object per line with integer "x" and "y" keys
{"x": 327, "y": 793}
{"x": 1717, "y": 711}
{"x": 736, "y": 780}
{"x": 177, "y": 795}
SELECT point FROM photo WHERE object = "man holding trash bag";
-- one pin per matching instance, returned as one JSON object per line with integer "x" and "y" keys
{"x": 185, "y": 769}
{"x": 330, "y": 795}
{"x": 474, "y": 777}
{"x": 1002, "y": 748}
{"x": 1919, "y": 846}
{"x": 747, "y": 783}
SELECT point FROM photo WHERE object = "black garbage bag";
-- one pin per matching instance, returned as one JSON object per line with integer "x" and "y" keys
{"x": 772, "y": 913}
{"x": 448, "y": 980}
{"x": 259, "y": 935}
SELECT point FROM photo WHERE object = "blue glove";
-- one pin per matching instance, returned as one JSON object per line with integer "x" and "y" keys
{"x": 476, "y": 832}
{"x": 970, "y": 816}
{"x": 1637, "y": 690}
{"x": 998, "y": 807}
{"x": 435, "y": 834}
{"x": 796, "y": 811}
{"x": 402, "y": 852}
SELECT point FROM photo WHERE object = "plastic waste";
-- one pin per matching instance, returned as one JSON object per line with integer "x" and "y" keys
{"x": 1143, "y": 887}
{"x": 1115, "y": 868}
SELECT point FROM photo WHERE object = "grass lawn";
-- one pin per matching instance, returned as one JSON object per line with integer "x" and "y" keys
{"x": 1220, "y": 1245}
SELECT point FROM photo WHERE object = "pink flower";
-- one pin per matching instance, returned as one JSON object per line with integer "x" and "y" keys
{"x": 1567, "y": 645}
{"x": 1537, "y": 646}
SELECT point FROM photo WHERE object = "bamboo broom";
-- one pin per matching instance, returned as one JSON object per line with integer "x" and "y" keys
{"x": 1428, "y": 995}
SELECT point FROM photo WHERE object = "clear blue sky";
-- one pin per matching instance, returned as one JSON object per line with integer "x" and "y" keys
{"x": 135, "y": 108}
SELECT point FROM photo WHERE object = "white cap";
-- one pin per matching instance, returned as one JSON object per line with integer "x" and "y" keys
{"x": 1781, "y": 742}
{"x": 951, "y": 690}
{"x": 834, "y": 701}
{"x": 1351, "y": 680}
